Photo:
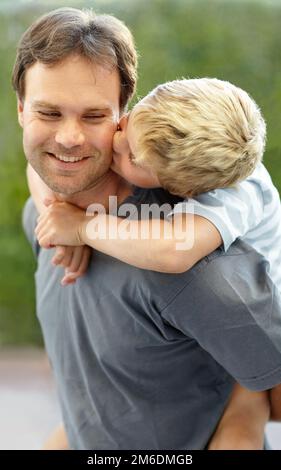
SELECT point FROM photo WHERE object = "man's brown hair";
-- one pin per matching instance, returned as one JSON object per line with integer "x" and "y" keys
{"x": 102, "y": 39}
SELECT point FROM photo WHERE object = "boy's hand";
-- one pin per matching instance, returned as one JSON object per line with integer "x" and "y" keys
{"x": 61, "y": 224}
{"x": 74, "y": 259}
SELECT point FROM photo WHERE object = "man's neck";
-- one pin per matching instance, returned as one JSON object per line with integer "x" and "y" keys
{"x": 111, "y": 184}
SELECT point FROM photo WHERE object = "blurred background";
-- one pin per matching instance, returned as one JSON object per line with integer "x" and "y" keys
{"x": 235, "y": 40}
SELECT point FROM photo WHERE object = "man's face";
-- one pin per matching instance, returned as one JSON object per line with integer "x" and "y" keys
{"x": 69, "y": 115}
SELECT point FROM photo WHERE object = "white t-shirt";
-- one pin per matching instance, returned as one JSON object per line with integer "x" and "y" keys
{"x": 251, "y": 211}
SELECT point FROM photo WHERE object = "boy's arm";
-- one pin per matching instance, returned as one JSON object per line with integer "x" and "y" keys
{"x": 242, "y": 424}
{"x": 158, "y": 245}
{"x": 38, "y": 189}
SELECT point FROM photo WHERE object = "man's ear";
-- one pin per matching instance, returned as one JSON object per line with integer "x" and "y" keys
{"x": 123, "y": 122}
{"x": 20, "y": 111}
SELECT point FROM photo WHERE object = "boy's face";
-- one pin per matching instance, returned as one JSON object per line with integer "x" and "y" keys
{"x": 69, "y": 115}
{"x": 124, "y": 151}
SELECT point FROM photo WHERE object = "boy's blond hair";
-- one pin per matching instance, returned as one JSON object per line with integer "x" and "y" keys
{"x": 198, "y": 135}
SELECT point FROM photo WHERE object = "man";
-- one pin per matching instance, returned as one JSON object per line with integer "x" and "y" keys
{"x": 142, "y": 360}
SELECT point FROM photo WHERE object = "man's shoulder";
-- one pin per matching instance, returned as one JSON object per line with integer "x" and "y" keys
{"x": 239, "y": 273}
{"x": 238, "y": 250}
{"x": 29, "y": 221}
{"x": 224, "y": 291}
{"x": 236, "y": 279}
{"x": 152, "y": 196}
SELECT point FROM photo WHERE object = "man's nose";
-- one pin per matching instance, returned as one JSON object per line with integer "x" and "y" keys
{"x": 70, "y": 134}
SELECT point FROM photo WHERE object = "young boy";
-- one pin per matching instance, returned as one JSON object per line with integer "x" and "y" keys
{"x": 190, "y": 137}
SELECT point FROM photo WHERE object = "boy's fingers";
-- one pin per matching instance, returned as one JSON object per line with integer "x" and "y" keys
{"x": 66, "y": 280}
{"x": 40, "y": 228}
{"x": 37, "y": 228}
{"x": 41, "y": 219}
{"x": 59, "y": 254}
{"x": 44, "y": 242}
{"x": 67, "y": 259}
{"x": 76, "y": 259}
{"x": 85, "y": 260}
{"x": 40, "y": 233}
{"x": 71, "y": 276}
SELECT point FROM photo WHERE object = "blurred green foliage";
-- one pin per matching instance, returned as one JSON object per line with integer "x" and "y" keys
{"x": 235, "y": 41}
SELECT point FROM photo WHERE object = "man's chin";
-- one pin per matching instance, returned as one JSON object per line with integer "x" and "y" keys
{"x": 66, "y": 188}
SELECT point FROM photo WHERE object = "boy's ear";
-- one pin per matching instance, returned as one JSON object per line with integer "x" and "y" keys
{"x": 20, "y": 111}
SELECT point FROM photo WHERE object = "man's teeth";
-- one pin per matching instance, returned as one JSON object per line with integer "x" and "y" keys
{"x": 68, "y": 159}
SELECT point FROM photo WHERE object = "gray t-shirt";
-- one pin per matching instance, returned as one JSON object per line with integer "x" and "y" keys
{"x": 146, "y": 360}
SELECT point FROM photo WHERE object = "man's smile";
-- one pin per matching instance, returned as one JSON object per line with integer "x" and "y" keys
{"x": 66, "y": 158}
{"x": 67, "y": 161}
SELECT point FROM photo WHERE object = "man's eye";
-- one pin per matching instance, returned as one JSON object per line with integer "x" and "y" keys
{"x": 94, "y": 117}
{"x": 49, "y": 114}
